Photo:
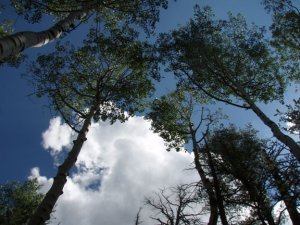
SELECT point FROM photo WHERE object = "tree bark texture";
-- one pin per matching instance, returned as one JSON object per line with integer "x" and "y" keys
{"x": 16, "y": 43}
{"x": 44, "y": 210}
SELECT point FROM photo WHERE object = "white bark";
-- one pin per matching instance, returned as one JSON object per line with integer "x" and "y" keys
{"x": 16, "y": 43}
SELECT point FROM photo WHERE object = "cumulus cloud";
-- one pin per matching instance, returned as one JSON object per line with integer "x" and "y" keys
{"x": 42, "y": 180}
{"x": 119, "y": 165}
{"x": 56, "y": 136}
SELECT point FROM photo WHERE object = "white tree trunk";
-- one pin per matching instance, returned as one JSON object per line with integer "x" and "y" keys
{"x": 42, "y": 214}
{"x": 16, "y": 43}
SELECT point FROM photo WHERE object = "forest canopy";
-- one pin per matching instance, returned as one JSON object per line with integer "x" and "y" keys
{"x": 190, "y": 124}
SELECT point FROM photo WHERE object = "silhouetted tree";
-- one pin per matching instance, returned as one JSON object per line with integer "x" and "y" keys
{"x": 242, "y": 158}
{"x": 284, "y": 170}
{"x": 178, "y": 205}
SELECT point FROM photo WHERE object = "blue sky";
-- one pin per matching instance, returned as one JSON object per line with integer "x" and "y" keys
{"x": 23, "y": 118}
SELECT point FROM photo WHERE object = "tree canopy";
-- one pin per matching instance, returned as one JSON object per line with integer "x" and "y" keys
{"x": 112, "y": 74}
{"x": 18, "y": 201}
{"x": 111, "y": 14}
{"x": 229, "y": 62}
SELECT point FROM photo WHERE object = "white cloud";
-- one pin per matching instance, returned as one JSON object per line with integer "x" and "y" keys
{"x": 136, "y": 164}
{"x": 42, "y": 180}
{"x": 56, "y": 136}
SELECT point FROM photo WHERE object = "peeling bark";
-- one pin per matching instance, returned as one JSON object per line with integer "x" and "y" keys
{"x": 16, "y": 43}
{"x": 42, "y": 214}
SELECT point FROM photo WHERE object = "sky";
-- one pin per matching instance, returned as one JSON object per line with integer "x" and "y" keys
{"x": 33, "y": 140}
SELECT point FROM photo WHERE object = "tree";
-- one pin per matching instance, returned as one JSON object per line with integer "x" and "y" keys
{"x": 260, "y": 167}
{"x": 144, "y": 13}
{"x": 172, "y": 117}
{"x": 229, "y": 62}
{"x": 178, "y": 205}
{"x": 5, "y": 30}
{"x": 106, "y": 79}
{"x": 285, "y": 32}
{"x": 18, "y": 201}
{"x": 241, "y": 158}
{"x": 285, "y": 177}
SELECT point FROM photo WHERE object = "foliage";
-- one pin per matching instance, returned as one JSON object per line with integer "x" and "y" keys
{"x": 229, "y": 62}
{"x": 225, "y": 59}
{"x": 286, "y": 33}
{"x": 179, "y": 120}
{"x": 170, "y": 117}
{"x": 144, "y": 13}
{"x": 108, "y": 71}
{"x": 256, "y": 176}
{"x": 177, "y": 115}
{"x": 18, "y": 201}
{"x": 287, "y": 167}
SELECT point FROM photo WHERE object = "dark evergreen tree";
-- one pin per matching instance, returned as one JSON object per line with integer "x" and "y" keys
{"x": 241, "y": 157}
{"x": 259, "y": 167}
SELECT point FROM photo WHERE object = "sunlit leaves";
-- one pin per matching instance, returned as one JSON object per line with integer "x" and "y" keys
{"x": 102, "y": 72}
{"x": 170, "y": 117}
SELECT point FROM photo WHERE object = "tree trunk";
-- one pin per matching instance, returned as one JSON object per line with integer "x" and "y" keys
{"x": 217, "y": 188}
{"x": 42, "y": 214}
{"x": 285, "y": 139}
{"x": 290, "y": 201}
{"x": 213, "y": 218}
{"x": 16, "y": 43}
